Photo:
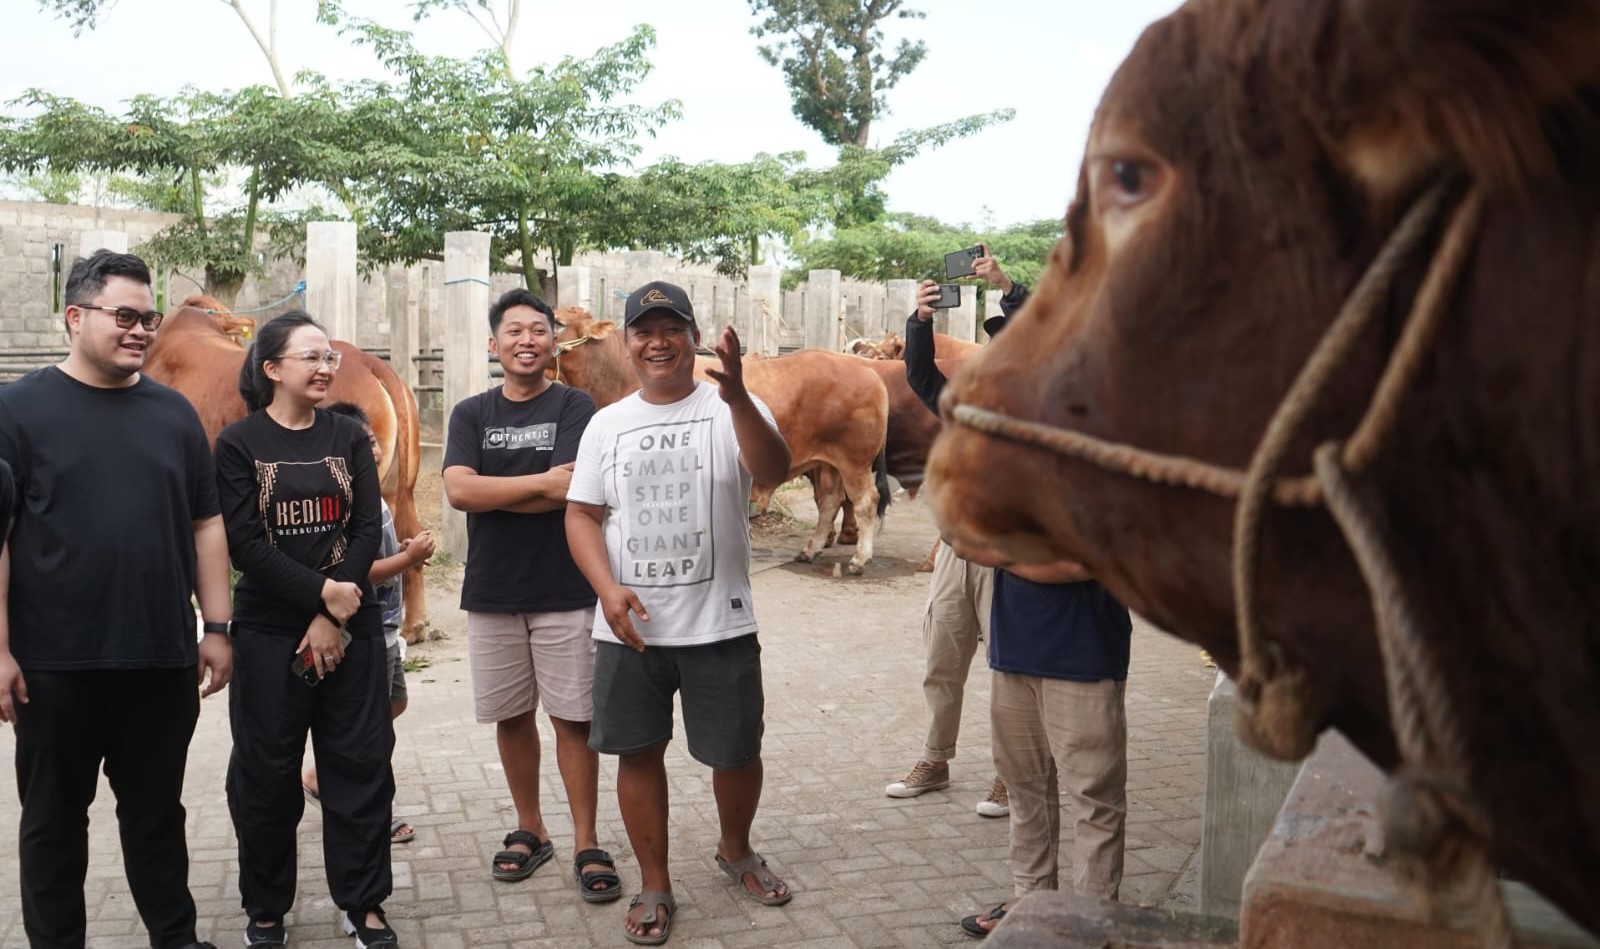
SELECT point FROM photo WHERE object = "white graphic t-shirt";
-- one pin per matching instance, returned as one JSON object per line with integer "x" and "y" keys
{"x": 677, "y": 524}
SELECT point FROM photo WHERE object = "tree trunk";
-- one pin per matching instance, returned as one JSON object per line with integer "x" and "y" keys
{"x": 223, "y": 286}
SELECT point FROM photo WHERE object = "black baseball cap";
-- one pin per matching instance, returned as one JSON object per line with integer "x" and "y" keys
{"x": 658, "y": 295}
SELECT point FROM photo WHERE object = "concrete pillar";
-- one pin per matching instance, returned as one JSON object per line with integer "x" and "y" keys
{"x": 331, "y": 277}
{"x": 91, "y": 241}
{"x": 405, "y": 330}
{"x": 822, "y": 310}
{"x": 573, "y": 287}
{"x": 766, "y": 303}
{"x": 1244, "y": 792}
{"x": 900, "y": 303}
{"x": 466, "y": 331}
{"x": 991, "y": 308}
{"x": 964, "y": 318}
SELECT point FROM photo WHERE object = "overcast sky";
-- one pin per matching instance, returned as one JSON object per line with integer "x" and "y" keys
{"x": 1047, "y": 59}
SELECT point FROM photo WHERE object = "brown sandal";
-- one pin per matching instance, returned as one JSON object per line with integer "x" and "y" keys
{"x": 756, "y": 866}
{"x": 652, "y": 899}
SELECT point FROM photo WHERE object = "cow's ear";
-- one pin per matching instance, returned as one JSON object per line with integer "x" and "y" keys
{"x": 1410, "y": 86}
{"x": 602, "y": 329}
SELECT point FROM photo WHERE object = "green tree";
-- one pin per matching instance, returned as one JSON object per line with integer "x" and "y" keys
{"x": 833, "y": 61}
{"x": 181, "y": 147}
{"x": 912, "y": 247}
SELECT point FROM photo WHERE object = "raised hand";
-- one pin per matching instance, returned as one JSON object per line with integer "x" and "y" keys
{"x": 730, "y": 378}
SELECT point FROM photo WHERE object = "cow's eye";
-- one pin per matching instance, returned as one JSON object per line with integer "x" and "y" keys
{"x": 1129, "y": 175}
{"x": 1123, "y": 182}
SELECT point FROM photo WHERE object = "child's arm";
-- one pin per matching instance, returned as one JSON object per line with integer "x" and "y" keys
{"x": 413, "y": 550}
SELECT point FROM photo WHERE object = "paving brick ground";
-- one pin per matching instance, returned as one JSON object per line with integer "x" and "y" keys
{"x": 845, "y": 717}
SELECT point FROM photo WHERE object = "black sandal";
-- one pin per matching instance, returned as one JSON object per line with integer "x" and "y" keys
{"x": 587, "y": 880}
{"x": 971, "y": 926}
{"x": 524, "y": 863}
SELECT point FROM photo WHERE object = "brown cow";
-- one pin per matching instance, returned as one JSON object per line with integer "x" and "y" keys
{"x": 830, "y": 407}
{"x": 195, "y": 353}
{"x": 893, "y": 346}
{"x": 1246, "y": 165}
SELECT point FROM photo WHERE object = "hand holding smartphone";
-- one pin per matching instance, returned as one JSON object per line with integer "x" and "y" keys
{"x": 304, "y": 664}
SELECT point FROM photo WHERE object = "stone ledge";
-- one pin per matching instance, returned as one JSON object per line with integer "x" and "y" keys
{"x": 1314, "y": 887}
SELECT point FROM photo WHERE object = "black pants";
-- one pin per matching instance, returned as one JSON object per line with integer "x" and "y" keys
{"x": 138, "y": 722}
{"x": 351, "y": 732}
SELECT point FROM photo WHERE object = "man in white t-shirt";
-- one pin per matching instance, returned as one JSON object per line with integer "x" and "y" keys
{"x": 657, "y": 519}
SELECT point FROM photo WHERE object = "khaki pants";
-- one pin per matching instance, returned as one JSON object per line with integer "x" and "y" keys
{"x": 957, "y": 616}
{"x": 1054, "y": 734}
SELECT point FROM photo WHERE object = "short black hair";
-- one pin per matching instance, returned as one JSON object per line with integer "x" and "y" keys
{"x": 519, "y": 296}
{"x": 89, "y": 274}
{"x": 254, "y": 387}
{"x": 350, "y": 410}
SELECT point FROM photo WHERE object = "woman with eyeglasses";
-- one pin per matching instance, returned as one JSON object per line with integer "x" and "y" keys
{"x": 299, "y": 492}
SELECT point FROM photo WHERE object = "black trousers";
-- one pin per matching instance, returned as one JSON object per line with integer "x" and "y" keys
{"x": 353, "y": 736}
{"x": 138, "y": 723}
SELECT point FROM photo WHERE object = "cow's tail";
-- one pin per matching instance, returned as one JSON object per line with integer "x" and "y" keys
{"x": 880, "y": 477}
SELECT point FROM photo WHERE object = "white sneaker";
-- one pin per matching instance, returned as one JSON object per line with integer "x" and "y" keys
{"x": 998, "y": 803}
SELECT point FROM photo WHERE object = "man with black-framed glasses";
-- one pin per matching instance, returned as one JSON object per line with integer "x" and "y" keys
{"x": 117, "y": 523}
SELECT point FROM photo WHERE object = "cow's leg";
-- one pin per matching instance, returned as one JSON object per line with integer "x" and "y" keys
{"x": 830, "y": 495}
{"x": 823, "y": 480}
{"x": 849, "y": 530}
{"x": 863, "y": 495}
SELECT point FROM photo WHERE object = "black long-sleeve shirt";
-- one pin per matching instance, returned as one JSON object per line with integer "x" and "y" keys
{"x": 921, "y": 371}
{"x": 301, "y": 507}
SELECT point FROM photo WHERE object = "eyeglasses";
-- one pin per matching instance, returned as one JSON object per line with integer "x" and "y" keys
{"x": 126, "y": 316}
{"x": 332, "y": 358}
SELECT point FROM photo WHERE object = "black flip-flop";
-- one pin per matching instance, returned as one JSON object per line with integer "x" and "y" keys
{"x": 969, "y": 924}
{"x": 525, "y": 863}
{"x": 587, "y": 879}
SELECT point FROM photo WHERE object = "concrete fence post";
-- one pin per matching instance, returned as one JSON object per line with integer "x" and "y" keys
{"x": 573, "y": 288}
{"x": 900, "y": 303}
{"x": 404, "y": 328}
{"x": 466, "y": 328}
{"x": 964, "y": 318}
{"x": 822, "y": 309}
{"x": 331, "y": 277}
{"x": 766, "y": 304}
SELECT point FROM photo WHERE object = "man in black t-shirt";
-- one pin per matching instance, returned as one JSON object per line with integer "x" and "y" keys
{"x": 530, "y": 613}
{"x": 116, "y": 525}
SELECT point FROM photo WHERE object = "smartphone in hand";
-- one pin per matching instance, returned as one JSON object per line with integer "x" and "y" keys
{"x": 304, "y": 665}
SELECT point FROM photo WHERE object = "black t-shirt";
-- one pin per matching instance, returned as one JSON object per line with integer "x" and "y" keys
{"x": 302, "y": 507}
{"x": 109, "y": 485}
{"x": 519, "y": 563}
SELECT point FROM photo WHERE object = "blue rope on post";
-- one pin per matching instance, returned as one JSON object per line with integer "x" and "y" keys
{"x": 298, "y": 291}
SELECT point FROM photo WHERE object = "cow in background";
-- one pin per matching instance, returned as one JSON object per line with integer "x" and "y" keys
{"x": 831, "y": 409}
{"x": 197, "y": 351}
{"x": 893, "y": 346}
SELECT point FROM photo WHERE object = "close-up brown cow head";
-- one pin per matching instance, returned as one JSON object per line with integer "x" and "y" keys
{"x": 1245, "y": 167}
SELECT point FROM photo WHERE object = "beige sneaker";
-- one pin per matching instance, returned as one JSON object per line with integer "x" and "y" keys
{"x": 924, "y": 776}
{"x": 998, "y": 803}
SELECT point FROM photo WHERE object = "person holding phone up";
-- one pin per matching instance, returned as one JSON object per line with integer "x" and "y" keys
{"x": 299, "y": 493}
{"x": 959, "y": 592}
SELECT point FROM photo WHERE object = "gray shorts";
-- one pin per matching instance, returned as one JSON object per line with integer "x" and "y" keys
{"x": 719, "y": 685}
{"x": 397, "y": 676}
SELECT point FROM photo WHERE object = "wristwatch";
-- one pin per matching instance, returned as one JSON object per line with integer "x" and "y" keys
{"x": 225, "y": 629}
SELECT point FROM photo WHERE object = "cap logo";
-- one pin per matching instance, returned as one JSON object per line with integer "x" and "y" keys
{"x": 656, "y": 296}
